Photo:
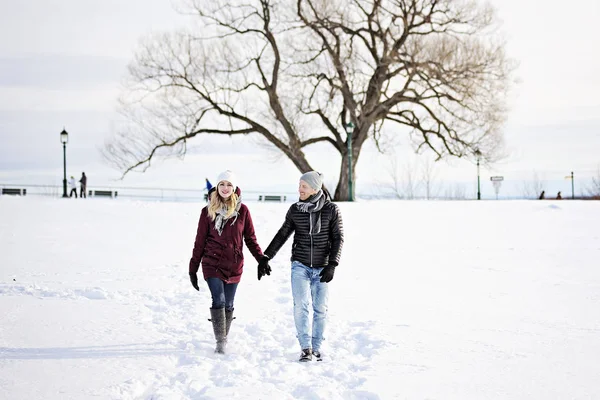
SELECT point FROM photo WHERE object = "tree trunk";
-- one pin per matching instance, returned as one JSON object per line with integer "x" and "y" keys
{"x": 342, "y": 191}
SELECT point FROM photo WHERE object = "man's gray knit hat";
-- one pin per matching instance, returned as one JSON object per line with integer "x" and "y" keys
{"x": 313, "y": 178}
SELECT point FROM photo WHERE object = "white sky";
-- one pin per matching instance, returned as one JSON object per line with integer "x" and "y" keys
{"x": 471, "y": 308}
{"x": 61, "y": 62}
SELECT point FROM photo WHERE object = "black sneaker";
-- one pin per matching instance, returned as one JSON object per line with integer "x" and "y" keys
{"x": 317, "y": 355}
{"x": 306, "y": 355}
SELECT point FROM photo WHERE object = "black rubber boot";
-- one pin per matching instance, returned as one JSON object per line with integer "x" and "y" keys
{"x": 217, "y": 317}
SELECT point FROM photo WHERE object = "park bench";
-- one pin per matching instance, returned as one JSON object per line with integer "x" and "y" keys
{"x": 14, "y": 191}
{"x": 103, "y": 193}
{"x": 269, "y": 197}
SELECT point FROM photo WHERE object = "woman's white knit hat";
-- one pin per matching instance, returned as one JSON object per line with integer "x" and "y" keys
{"x": 228, "y": 176}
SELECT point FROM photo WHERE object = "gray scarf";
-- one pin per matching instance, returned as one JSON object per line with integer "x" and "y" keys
{"x": 221, "y": 217}
{"x": 313, "y": 205}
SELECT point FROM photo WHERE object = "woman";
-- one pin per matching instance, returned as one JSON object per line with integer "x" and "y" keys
{"x": 73, "y": 186}
{"x": 223, "y": 223}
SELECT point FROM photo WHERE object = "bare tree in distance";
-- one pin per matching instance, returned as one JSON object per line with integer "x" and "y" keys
{"x": 403, "y": 182}
{"x": 533, "y": 188}
{"x": 455, "y": 192}
{"x": 428, "y": 179}
{"x": 395, "y": 185}
{"x": 409, "y": 182}
{"x": 594, "y": 188}
{"x": 297, "y": 72}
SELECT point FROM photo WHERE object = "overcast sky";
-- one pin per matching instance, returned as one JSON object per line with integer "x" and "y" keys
{"x": 61, "y": 62}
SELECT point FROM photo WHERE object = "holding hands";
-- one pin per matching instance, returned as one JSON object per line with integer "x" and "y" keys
{"x": 263, "y": 267}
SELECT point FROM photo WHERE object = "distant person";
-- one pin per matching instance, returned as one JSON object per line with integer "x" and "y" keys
{"x": 73, "y": 186}
{"x": 83, "y": 182}
{"x": 225, "y": 224}
{"x": 208, "y": 188}
{"x": 316, "y": 223}
{"x": 542, "y": 195}
{"x": 558, "y": 196}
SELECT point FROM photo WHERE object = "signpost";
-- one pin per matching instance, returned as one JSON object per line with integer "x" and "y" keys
{"x": 497, "y": 182}
{"x": 572, "y": 178}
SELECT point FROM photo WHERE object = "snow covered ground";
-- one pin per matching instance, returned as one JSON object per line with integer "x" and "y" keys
{"x": 432, "y": 300}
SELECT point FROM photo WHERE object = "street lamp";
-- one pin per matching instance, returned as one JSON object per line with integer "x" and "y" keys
{"x": 478, "y": 155}
{"x": 64, "y": 138}
{"x": 349, "y": 129}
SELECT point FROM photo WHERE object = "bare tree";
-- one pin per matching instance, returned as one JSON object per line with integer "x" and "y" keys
{"x": 455, "y": 192}
{"x": 533, "y": 188}
{"x": 403, "y": 182}
{"x": 409, "y": 182}
{"x": 395, "y": 185}
{"x": 428, "y": 179}
{"x": 594, "y": 188}
{"x": 297, "y": 72}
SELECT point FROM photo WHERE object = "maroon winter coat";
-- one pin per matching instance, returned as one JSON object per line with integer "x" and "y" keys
{"x": 222, "y": 256}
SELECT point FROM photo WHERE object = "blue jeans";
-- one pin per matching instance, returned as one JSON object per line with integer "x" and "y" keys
{"x": 222, "y": 293}
{"x": 306, "y": 286}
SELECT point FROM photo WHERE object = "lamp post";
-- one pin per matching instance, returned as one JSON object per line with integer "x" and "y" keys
{"x": 64, "y": 138}
{"x": 349, "y": 129}
{"x": 478, "y": 155}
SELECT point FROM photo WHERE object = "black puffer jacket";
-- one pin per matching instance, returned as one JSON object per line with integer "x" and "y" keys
{"x": 316, "y": 250}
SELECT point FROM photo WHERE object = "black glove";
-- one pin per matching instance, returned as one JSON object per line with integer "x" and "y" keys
{"x": 327, "y": 273}
{"x": 263, "y": 267}
{"x": 194, "y": 280}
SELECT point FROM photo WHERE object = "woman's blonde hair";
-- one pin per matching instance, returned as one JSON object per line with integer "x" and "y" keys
{"x": 217, "y": 202}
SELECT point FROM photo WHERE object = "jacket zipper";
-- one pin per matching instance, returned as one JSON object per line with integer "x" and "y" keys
{"x": 311, "y": 238}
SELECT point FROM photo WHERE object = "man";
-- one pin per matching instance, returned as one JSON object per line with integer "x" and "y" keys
{"x": 83, "y": 182}
{"x": 318, "y": 238}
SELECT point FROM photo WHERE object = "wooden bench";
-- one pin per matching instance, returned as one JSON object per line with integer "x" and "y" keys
{"x": 269, "y": 197}
{"x": 103, "y": 193}
{"x": 14, "y": 191}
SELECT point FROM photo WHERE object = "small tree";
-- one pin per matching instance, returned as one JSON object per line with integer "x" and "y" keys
{"x": 403, "y": 180}
{"x": 409, "y": 182}
{"x": 594, "y": 188}
{"x": 533, "y": 188}
{"x": 455, "y": 192}
{"x": 428, "y": 179}
{"x": 395, "y": 185}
